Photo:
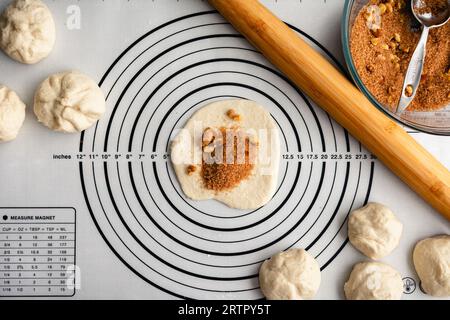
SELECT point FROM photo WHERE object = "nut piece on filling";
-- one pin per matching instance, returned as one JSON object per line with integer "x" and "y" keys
{"x": 190, "y": 170}
{"x": 233, "y": 115}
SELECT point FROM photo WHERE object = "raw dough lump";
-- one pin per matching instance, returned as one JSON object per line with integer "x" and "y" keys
{"x": 432, "y": 262}
{"x": 27, "y": 31}
{"x": 374, "y": 281}
{"x": 69, "y": 102}
{"x": 374, "y": 230}
{"x": 12, "y": 114}
{"x": 290, "y": 275}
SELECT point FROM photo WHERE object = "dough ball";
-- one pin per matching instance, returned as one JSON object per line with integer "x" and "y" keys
{"x": 374, "y": 281}
{"x": 432, "y": 262}
{"x": 374, "y": 230}
{"x": 69, "y": 102}
{"x": 290, "y": 275}
{"x": 12, "y": 114}
{"x": 27, "y": 31}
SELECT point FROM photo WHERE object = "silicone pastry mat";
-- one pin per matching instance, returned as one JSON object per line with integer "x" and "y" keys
{"x": 134, "y": 234}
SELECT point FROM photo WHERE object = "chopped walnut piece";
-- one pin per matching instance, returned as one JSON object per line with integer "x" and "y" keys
{"x": 191, "y": 169}
{"x": 394, "y": 58}
{"x": 233, "y": 115}
{"x": 390, "y": 99}
{"x": 389, "y": 8}
{"x": 383, "y": 8}
{"x": 409, "y": 90}
{"x": 404, "y": 49}
{"x": 393, "y": 45}
{"x": 401, "y": 4}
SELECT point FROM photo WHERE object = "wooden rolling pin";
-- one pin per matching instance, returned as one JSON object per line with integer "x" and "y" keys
{"x": 313, "y": 74}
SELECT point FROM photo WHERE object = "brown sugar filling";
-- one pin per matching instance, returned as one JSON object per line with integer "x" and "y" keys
{"x": 382, "y": 56}
{"x": 433, "y": 7}
{"x": 236, "y": 164}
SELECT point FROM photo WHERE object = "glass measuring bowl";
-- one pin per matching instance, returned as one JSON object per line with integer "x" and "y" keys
{"x": 434, "y": 122}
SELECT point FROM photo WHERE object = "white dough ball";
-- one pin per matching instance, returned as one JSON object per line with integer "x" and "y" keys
{"x": 374, "y": 281}
{"x": 12, "y": 114}
{"x": 27, "y": 31}
{"x": 432, "y": 262}
{"x": 69, "y": 102}
{"x": 374, "y": 230}
{"x": 290, "y": 275}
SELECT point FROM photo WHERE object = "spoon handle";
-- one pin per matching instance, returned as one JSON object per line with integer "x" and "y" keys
{"x": 414, "y": 73}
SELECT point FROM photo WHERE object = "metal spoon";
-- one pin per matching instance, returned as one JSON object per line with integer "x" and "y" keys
{"x": 429, "y": 19}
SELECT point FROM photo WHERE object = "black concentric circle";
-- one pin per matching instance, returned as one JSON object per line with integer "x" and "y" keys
{"x": 204, "y": 249}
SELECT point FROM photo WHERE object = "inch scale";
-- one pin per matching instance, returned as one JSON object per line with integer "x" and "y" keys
{"x": 156, "y": 157}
